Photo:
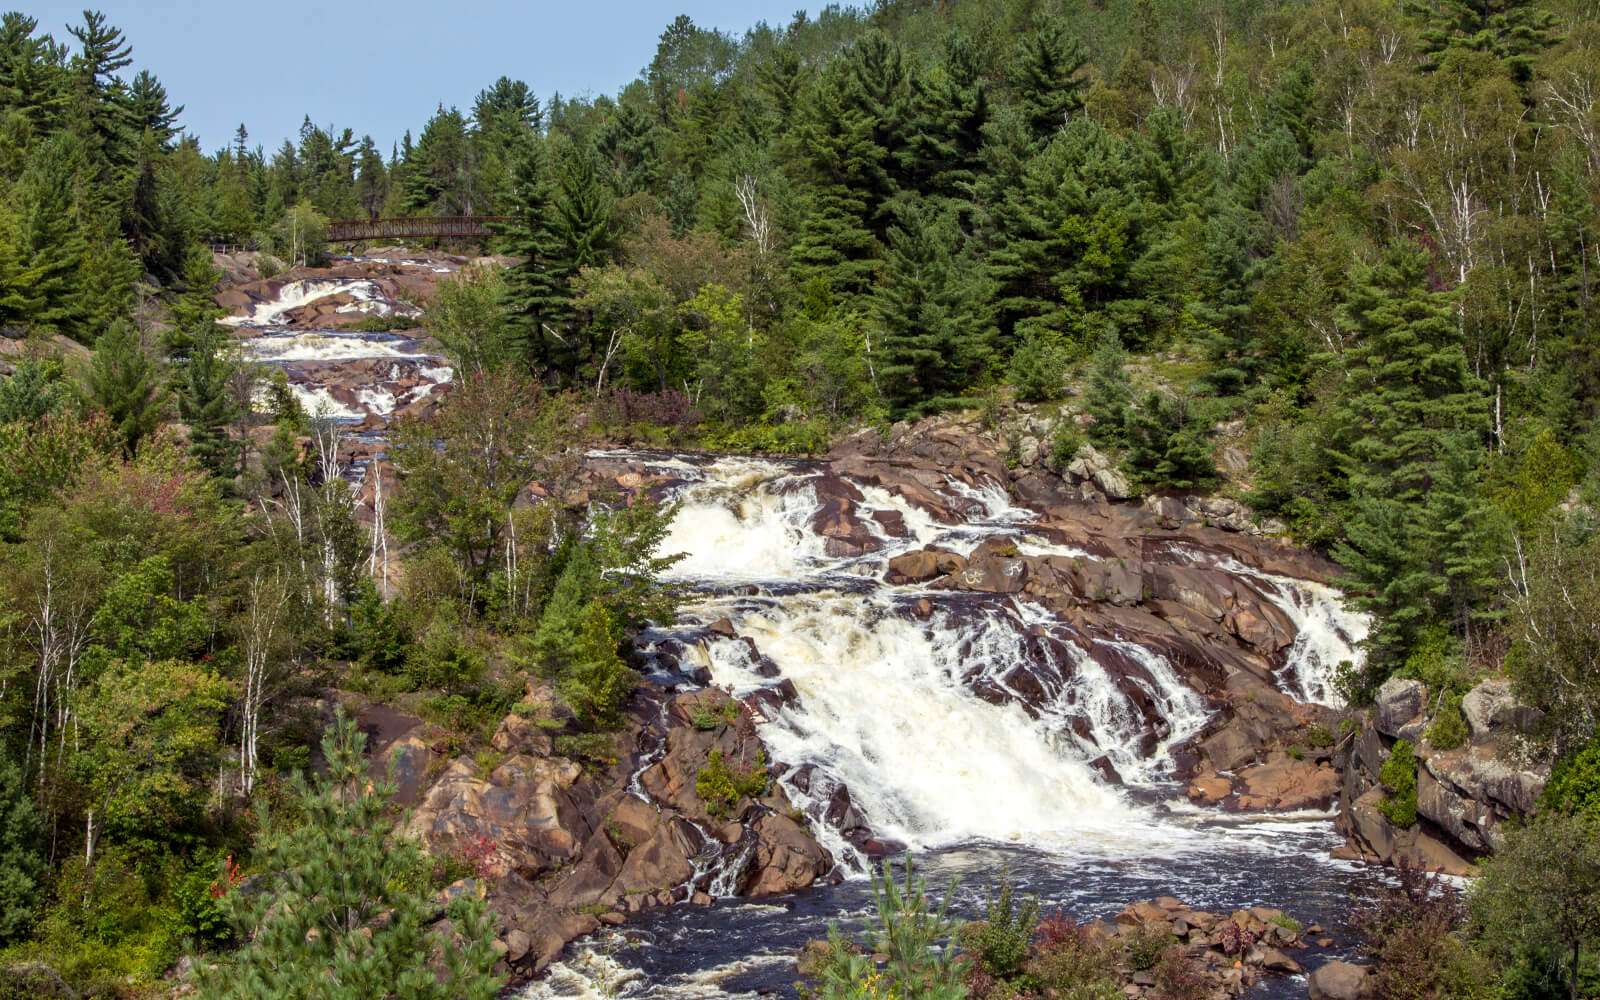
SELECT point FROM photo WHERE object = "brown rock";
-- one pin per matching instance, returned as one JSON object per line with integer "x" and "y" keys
{"x": 1338, "y": 981}
{"x": 787, "y": 858}
{"x": 913, "y": 567}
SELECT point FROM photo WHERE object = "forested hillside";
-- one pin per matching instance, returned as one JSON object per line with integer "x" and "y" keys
{"x": 1359, "y": 238}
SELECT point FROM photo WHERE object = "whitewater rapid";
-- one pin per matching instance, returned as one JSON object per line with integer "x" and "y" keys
{"x": 889, "y": 705}
{"x": 343, "y": 375}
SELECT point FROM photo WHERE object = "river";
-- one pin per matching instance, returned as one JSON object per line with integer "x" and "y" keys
{"x": 918, "y": 715}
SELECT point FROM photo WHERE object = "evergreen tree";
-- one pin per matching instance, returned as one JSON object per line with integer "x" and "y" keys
{"x": 206, "y": 404}
{"x": 338, "y": 915}
{"x": 948, "y": 108}
{"x": 124, "y": 382}
{"x": 1408, "y": 401}
{"x": 49, "y": 239}
{"x": 1223, "y": 315}
{"x": 583, "y": 210}
{"x": 538, "y": 296}
{"x": 22, "y": 865}
{"x": 439, "y": 169}
{"x": 1513, "y": 31}
{"x": 1166, "y": 444}
{"x": 1044, "y": 76}
{"x": 935, "y": 337}
{"x": 1109, "y": 394}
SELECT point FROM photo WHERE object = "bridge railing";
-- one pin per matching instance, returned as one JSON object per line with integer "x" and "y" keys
{"x": 418, "y": 227}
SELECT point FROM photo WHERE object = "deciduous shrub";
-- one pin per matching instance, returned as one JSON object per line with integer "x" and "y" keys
{"x": 721, "y": 787}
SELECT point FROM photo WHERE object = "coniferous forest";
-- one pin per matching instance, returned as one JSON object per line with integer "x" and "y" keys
{"x": 1356, "y": 241}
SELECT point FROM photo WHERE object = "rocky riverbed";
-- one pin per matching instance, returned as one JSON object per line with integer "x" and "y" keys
{"x": 991, "y": 662}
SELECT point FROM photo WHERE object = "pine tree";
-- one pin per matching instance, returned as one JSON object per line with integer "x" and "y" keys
{"x": 583, "y": 210}
{"x": 22, "y": 866}
{"x": 935, "y": 337}
{"x": 1166, "y": 444}
{"x": 538, "y": 296}
{"x": 1514, "y": 31}
{"x": 1043, "y": 77}
{"x": 1109, "y": 394}
{"x": 337, "y": 917}
{"x": 1223, "y": 314}
{"x": 948, "y": 108}
{"x": 206, "y": 405}
{"x": 49, "y": 239}
{"x": 1408, "y": 411}
{"x": 124, "y": 382}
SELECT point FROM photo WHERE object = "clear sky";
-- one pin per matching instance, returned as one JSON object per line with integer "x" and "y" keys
{"x": 382, "y": 67}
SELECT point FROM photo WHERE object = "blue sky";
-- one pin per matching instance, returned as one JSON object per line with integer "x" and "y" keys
{"x": 381, "y": 68}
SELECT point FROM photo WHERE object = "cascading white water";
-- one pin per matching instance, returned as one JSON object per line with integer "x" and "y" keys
{"x": 922, "y": 720}
{"x": 883, "y": 710}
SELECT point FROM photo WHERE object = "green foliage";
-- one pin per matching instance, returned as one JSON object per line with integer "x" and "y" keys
{"x": 1449, "y": 729}
{"x": 801, "y": 437}
{"x": 333, "y": 899}
{"x": 381, "y": 632}
{"x": 33, "y": 390}
{"x": 1144, "y": 947}
{"x": 593, "y": 679}
{"x": 205, "y": 402}
{"x": 1554, "y": 660}
{"x": 1537, "y": 904}
{"x": 125, "y": 383}
{"x": 999, "y": 944}
{"x": 469, "y": 319}
{"x": 1109, "y": 394}
{"x": 912, "y": 932}
{"x": 462, "y": 469}
{"x": 721, "y": 787}
{"x": 1574, "y": 785}
{"x": 1399, "y": 778}
{"x": 444, "y": 659}
{"x": 22, "y": 863}
{"x": 1038, "y": 366}
{"x": 1167, "y": 446}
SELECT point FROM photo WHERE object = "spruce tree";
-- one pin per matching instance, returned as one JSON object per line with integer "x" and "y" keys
{"x": 1223, "y": 314}
{"x": 949, "y": 106}
{"x": 583, "y": 210}
{"x": 338, "y": 914}
{"x": 1513, "y": 31}
{"x": 22, "y": 866}
{"x": 1406, "y": 414}
{"x": 205, "y": 404}
{"x": 49, "y": 239}
{"x": 935, "y": 338}
{"x": 1109, "y": 393}
{"x": 538, "y": 297}
{"x": 124, "y": 382}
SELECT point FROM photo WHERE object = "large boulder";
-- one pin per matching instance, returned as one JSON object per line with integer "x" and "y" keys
{"x": 1490, "y": 706}
{"x": 527, "y": 807}
{"x": 1091, "y": 466}
{"x": 787, "y": 858}
{"x": 1339, "y": 981}
{"x": 1375, "y": 837}
{"x": 1399, "y": 701}
{"x": 1471, "y": 792}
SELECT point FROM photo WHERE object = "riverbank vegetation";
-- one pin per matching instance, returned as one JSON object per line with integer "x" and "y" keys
{"x": 1359, "y": 240}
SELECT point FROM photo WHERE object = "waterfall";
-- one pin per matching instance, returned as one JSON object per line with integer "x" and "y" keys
{"x": 986, "y": 718}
